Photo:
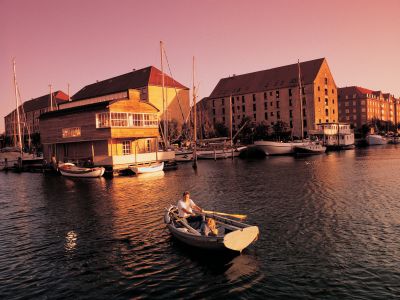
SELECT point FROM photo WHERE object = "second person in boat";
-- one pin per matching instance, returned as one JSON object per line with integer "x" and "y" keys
{"x": 187, "y": 207}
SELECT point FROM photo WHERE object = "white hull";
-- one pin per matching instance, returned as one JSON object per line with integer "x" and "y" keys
{"x": 310, "y": 149}
{"x": 217, "y": 154}
{"x": 277, "y": 148}
{"x": 183, "y": 156}
{"x": 70, "y": 170}
{"x": 375, "y": 139}
{"x": 151, "y": 168}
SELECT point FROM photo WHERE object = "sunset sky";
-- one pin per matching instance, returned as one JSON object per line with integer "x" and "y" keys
{"x": 79, "y": 42}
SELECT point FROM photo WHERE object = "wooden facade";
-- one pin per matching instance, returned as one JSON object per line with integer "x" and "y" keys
{"x": 112, "y": 133}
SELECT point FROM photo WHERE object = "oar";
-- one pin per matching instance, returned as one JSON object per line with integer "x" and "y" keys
{"x": 237, "y": 216}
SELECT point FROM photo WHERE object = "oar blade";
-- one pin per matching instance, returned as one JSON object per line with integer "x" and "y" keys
{"x": 240, "y": 239}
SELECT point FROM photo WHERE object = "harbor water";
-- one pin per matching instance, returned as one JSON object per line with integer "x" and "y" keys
{"x": 330, "y": 229}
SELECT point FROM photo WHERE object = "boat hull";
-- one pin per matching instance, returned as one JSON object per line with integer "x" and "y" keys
{"x": 148, "y": 168}
{"x": 71, "y": 170}
{"x": 310, "y": 149}
{"x": 182, "y": 156}
{"x": 277, "y": 148}
{"x": 236, "y": 240}
{"x": 375, "y": 139}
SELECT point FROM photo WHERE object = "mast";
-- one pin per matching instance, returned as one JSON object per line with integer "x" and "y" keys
{"x": 51, "y": 98}
{"x": 163, "y": 96}
{"x": 301, "y": 102}
{"x": 230, "y": 123}
{"x": 19, "y": 144}
{"x": 194, "y": 121}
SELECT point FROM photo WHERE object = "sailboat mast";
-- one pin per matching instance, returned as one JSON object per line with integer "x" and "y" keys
{"x": 163, "y": 96}
{"x": 230, "y": 123}
{"x": 194, "y": 120}
{"x": 301, "y": 102}
{"x": 17, "y": 106}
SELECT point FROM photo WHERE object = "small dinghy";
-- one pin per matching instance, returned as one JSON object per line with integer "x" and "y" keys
{"x": 232, "y": 235}
{"x": 147, "y": 167}
{"x": 71, "y": 170}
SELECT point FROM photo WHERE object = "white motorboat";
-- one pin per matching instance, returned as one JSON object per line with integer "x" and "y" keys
{"x": 183, "y": 155}
{"x": 313, "y": 147}
{"x": 376, "y": 139}
{"x": 71, "y": 170}
{"x": 232, "y": 235}
{"x": 147, "y": 167}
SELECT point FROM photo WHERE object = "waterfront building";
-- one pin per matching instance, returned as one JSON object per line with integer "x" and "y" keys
{"x": 334, "y": 135}
{"x": 30, "y": 112}
{"x": 148, "y": 82}
{"x": 360, "y": 106}
{"x": 273, "y": 95}
{"x": 113, "y": 133}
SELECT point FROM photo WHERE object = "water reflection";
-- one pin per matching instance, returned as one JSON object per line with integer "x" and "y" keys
{"x": 71, "y": 241}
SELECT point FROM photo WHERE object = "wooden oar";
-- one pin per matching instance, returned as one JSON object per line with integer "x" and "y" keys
{"x": 237, "y": 216}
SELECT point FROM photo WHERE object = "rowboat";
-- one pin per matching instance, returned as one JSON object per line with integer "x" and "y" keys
{"x": 232, "y": 235}
{"x": 71, "y": 170}
{"x": 147, "y": 168}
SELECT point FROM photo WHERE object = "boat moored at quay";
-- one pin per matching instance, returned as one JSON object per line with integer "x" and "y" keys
{"x": 334, "y": 136}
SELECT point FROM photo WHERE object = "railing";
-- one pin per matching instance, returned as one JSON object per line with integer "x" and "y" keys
{"x": 126, "y": 120}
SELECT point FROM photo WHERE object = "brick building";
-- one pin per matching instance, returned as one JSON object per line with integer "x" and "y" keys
{"x": 359, "y": 106}
{"x": 30, "y": 112}
{"x": 273, "y": 95}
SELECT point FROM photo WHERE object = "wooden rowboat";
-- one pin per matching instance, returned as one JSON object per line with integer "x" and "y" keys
{"x": 147, "y": 168}
{"x": 233, "y": 235}
{"x": 70, "y": 170}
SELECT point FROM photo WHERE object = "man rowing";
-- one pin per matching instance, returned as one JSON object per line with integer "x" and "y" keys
{"x": 186, "y": 208}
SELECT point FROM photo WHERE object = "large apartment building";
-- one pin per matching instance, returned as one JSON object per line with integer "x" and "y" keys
{"x": 359, "y": 106}
{"x": 273, "y": 95}
{"x": 30, "y": 112}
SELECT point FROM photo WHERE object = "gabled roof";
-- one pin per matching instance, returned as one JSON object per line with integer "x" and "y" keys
{"x": 43, "y": 101}
{"x": 132, "y": 80}
{"x": 285, "y": 76}
{"x": 360, "y": 92}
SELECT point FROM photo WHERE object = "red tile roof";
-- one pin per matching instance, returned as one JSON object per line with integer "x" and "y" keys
{"x": 285, "y": 76}
{"x": 133, "y": 80}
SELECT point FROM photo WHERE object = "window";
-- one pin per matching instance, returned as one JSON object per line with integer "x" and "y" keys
{"x": 319, "y": 89}
{"x": 233, "y": 100}
{"x": 272, "y": 113}
{"x": 326, "y": 101}
{"x": 302, "y": 91}
{"x": 266, "y": 115}
{"x": 265, "y": 95}
{"x": 304, "y": 100}
{"x": 319, "y": 99}
{"x": 326, "y": 80}
{"x": 326, "y": 91}
{"x": 272, "y": 103}
{"x": 223, "y": 110}
{"x": 333, "y": 91}
{"x": 254, "y": 107}
{"x": 304, "y": 112}
{"x": 290, "y": 92}
{"x": 223, "y": 119}
{"x": 254, "y": 97}
{"x": 278, "y": 114}
{"x": 333, "y": 111}
{"x": 233, "y": 109}
{"x": 265, "y": 105}
{"x": 270, "y": 93}
{"x": 254, "y": 117}
{"x": 71, "y": 132}
{"x": 277, "y": 104}
{"x": 290, "y": 102}
{"x": 277, "y": 94}
{"x": 243, "y": 108}
{"x": 213, "y": 111}
{"x": 291, "y": 124}
{"x": 213, "y": 103}
{"x": 291, "y": 113}
{"x": 326, "y": 112}
{"x": 126, "y": 147}
{"x": 304, "y": 123}
{"x": 333, "y": 101}
{"x": 123, "y": 119}
{"x": 222, "y": 102}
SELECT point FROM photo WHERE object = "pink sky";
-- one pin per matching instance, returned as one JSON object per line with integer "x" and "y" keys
{"x": 79, "y": 42}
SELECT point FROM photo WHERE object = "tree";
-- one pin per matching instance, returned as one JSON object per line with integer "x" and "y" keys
{"x": 246, "y": 134}
{"x": 220, "y": 130}
{"x": 281, "y": 130}
{"x": 261, "y": 131}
